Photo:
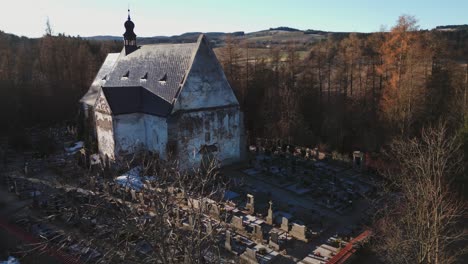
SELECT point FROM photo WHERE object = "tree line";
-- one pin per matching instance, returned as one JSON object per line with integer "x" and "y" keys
{"x": 42, "y": 80}
{"x": 352, "y": 92}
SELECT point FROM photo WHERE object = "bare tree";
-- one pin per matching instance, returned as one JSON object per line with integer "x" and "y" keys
{"x": 422, "y": 223}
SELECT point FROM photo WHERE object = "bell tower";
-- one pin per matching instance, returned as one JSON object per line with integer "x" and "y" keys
{"x": 129, "y": 36}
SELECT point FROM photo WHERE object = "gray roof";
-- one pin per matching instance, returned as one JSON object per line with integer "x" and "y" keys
{"x": 150, "y": 79}
{"x": 90, "y": 97}
{"x": 158, "y": 68}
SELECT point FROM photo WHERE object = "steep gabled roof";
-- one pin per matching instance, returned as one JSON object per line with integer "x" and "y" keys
{"x": 152, "y": 78}
{"x": 158, "y": 68}
{"x": 90, "y": 97}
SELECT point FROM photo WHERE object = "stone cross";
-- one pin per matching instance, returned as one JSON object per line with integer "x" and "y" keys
{"x": 269, "y": 219}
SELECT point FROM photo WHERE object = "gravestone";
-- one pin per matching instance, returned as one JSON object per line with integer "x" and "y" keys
{"x": 250, "y": 206}
{"x": 237, "y": 223}
{"x": 251, "y": 255}
{"x": 133, "y": 195}
{"x": 142, "y": 198}
{"x": 258, "y": 233}
{"x": 274, "y": 241}
{"x": 285, "y": 224}
{"x": 299, "y": 232}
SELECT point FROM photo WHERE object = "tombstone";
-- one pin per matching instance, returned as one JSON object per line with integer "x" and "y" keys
{"x": 237, "y": 223}
{"x": 285, "y": 224}
{"x": 227, "y": 243}
{"x": 133, "y": 195}
{"x": 258, "y": 233}
{"x": 299, "y": 232}
{"x": 274, "y": 241}
{"x": 269, "y": 218}
{"x": 142, "y": 198}
{"x": 251, "y": 255}
{"x": 250, "y": 204}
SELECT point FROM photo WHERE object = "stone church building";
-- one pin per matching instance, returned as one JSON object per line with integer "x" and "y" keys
{"x": 170, "y": 99}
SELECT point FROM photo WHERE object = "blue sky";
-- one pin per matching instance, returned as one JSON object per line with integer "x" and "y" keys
{"x": 172, "y": 17}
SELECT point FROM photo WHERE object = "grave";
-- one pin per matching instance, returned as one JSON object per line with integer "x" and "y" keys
{"x": 237, "y": 223}
{"x": 285, "y": 224}
{"x": 250, "y": 204}
{"x": 299, "y": 232}
{"x": 258, "y": 233}
{"x": 269, "y": 218}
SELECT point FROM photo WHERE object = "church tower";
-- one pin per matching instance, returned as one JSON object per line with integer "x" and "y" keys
{"x": 129, "y": 36}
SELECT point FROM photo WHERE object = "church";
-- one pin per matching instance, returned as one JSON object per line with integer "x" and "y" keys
{"x": 169, "y": 99}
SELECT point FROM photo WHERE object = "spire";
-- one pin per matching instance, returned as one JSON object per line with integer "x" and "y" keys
{"x": 129, "y": 36}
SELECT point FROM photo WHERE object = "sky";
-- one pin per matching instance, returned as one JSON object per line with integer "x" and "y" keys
{"x": 174, "y": 17}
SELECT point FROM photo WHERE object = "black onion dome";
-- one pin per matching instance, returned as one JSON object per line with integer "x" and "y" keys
{"x": 129, "y": 25}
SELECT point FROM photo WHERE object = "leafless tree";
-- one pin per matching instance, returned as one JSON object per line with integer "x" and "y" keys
{"x": 422, "y": 224}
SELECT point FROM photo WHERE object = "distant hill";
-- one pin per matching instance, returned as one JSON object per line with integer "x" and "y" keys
{"x": 260, "y": 39}
{"x": 267, "y": 37}
{"x": 452, "y": 27}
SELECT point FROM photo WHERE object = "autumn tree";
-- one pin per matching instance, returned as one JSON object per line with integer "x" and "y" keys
{"x": 401, "y": 97}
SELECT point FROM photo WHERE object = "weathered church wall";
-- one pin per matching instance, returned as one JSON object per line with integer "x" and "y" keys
{"x": 191, "y": 130}
{"x": 140, "y": 131}
{"x": 129, "y": 133}
{"x": 105, "y": 135}
{"x": 156, "y": 134}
